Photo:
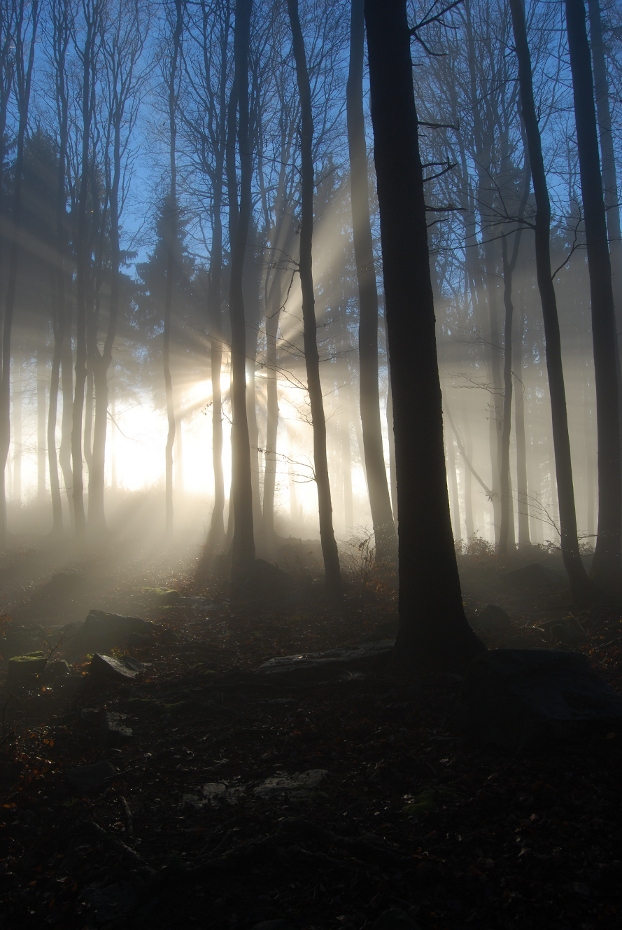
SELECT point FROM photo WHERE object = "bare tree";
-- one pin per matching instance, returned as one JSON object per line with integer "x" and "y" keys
{"x": 607, "y": 555}
{"x": 26, "y": 22}
{"x": 332, "y": 573}
{"x": 433, "y": 627}
{"x": 377, "y": 485}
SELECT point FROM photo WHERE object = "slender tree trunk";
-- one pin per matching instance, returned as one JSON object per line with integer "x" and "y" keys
{"x": 24, "y": 61}
{"x": 607, "y": 557}
{"x": 243, "y": 542}
{"x": 332, "y": 572}
{"x": 57, "y": 507}
{"x": 170, "y": 272}
{"x": 433, "y": 627}
{"x": 469, "y": 524}
{"x": 506, "y": 534}
{"x": 67, "y": 387}
{"x": 83, "y": 267}
{"x": 454, "y": 496}
{"x": 607, "y": 150}
{"x": 580, "y": 585}
{"x": 375, "y": 469}
{"x": 18, "y": 397}
{"x": 215, "y": 536}
{"x": 522, "y": 486}
{"x": 41, "y": 416}
{"x": 272, "y": 414}
{"x": 88, "y": 414}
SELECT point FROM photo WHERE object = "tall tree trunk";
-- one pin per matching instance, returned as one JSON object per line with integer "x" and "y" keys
{"x": 216, "y": 533}
{"x": 522, "y": 486}
{"x": 580, "y": 585}
{"x": 433, "y": 627}
{"x": 18, "y": 397}
{"x": 506, "y": 530}
{"x": 243, "y": 542}
{"x": 41, "y": 369}
{"x": 67, "y": 388}
{"x": 606, "y": 565}
{"x": 332, "y": 572}
{"x": 375, "y": 469}
{"x": 24, "y": 48}
{"x": 83, "y": 264}
{"x": 172, "y": 227}
{"x": 272, "y": 414}
{"x": 454, "y": 496}
{"x": 607, "y": 151}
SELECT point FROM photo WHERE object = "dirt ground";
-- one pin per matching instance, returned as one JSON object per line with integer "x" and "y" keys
{"x": 344, "y": 801}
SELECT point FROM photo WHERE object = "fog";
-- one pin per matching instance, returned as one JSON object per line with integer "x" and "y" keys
{"x": 175, "y": 263}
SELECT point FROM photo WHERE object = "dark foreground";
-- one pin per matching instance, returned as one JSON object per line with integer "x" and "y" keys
{"x": 338, "y": 801}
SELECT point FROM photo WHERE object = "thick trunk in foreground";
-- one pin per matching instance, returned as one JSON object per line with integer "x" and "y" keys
{"x": 580, "y": 585}
{"x": 375, "y": 469}
{"x": 332, "y": 573}
{"x": 433, "y": 627}
{"x": 606, "y": 564}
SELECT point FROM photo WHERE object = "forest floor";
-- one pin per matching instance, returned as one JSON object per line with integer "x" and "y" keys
{"x": 348, "y": 801}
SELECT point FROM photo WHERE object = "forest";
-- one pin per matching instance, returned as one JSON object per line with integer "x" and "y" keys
{"x": 310, "y": 390}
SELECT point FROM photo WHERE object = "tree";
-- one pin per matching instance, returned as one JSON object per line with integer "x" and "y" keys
{"x": 607, "y": 555}
{"x": 243, "y": 544}
{"x": 332, "y": 573}
{"x": 581, "y": 588}
{"x": 433, "y": 627}
{"x": 24, "y": 37}
{"x": 378, "y": 489}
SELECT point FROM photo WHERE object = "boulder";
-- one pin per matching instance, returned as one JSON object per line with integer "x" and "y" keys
{"x": 518, "y": 698}
{"x": 101, "y": 631}
{"x": 23, "y": 670}
{"x": 123, "y": 670}
{"x": 268, "y": 580}
{"x": 332, "y": 664}
{"x": 533, "y": 577}
{"x": 492, "y": 619}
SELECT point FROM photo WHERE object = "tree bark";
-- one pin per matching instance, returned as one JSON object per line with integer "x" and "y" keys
{"x": 582, "y": 590}
{"x": 606, "y": 564}
{"x": 332, "y": 572}
{"x": 607, "y": 151}
{"x": 243, "y": 542}
{"x": 433, "y": 628}
{"x": 24, "y": 48}
{"x": 375, "y": 468}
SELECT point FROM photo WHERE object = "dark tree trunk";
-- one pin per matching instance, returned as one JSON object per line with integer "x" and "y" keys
{"x": 606, "y": 564}
{"x": 332, "y": 572}
{"x": 41, "y": 369}
{"x": 83, "y": 264}
{"x": 506, "y": 530}
{"x": 24, "y": 49}
{"x": 607, "y": 151}
{"x": 172, "y": 227}
{"x": 433, "y": 627}
{"x": 522, "y": 487}
{"x": 375, "y": 469}
{"x": 243, "y": 543}
{"x": 216, "y": 534}
{"x": 580, "y": 585}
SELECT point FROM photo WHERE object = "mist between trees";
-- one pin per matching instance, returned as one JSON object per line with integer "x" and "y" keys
{"x": 179, "y": 182}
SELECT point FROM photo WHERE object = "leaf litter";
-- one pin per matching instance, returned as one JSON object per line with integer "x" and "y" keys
{"x": 346, "y": 802}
